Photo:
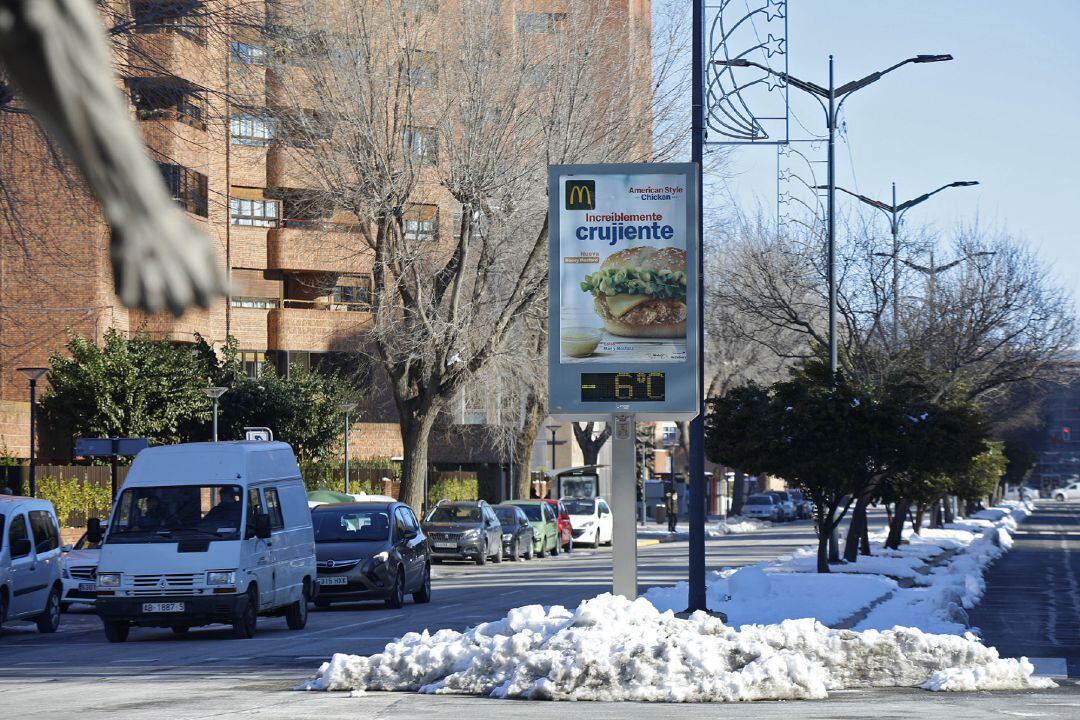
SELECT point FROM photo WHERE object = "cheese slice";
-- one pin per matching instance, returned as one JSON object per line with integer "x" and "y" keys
{"x": 623, "y": 303}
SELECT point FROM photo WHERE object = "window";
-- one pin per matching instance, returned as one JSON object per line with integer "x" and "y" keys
{"x": 46, "y": 534}
{"x": 669, "y": 433}
{"x": 255, "y": 507}
{"x": 401, "y": 525}
{"x": 254, "y": 213}
{"x": 421, "y": 145}
{"x": 184, "y": 17}
{"x": 247, "y": 53}
{"x": 188, "y": 187}
{"x": 273, "y": 509}
{"x": 421, "y": 223}
{"x": 538, "y": 22}
{"x": 251, "y": 361}
{"x": 250, "y": 130}
{"x": 353, "y": 291}
{"x": 17, "y": 532}
{"x": 254, "y": 302}
{"x": 420, "y": 69}
{"x": 157, "y": 100}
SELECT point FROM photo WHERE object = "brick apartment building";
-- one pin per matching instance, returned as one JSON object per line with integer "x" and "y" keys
{"x": 300, "y": 279}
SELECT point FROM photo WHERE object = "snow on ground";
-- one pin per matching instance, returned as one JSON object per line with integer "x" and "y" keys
{"x": 736, "y": 525}
{"x": 776, "y": 644}
{"x": 612, "y": 649}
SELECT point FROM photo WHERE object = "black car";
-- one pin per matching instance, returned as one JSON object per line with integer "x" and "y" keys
{"x": 517, "y": 532}
{"x": 370, "y": 551}
{"x": 464, "y": 530}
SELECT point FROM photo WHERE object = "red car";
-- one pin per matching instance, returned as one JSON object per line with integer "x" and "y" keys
{"x": 566, "y": 533}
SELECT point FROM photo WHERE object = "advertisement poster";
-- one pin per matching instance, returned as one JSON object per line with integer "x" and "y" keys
{"x": 622, "y": 261}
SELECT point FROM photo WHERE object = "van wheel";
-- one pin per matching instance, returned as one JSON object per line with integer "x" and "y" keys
{"x": 397, "y": 595}
{"x": 244, "y": 626}
{"x": 116, "y": 631}
{"x": 49, "y": 621}
{"x": 296, "y": 614}
{"x": 423, "y": 595}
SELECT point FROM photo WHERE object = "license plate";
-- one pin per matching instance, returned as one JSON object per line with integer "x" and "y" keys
{"x": 162, "y": 607}
{"x": 333, "y": 581}
{"x": 86, "y": 587}
{"x": 446, "y": 546}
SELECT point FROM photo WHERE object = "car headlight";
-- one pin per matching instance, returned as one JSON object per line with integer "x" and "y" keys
{"x": 108, "y": 579}
{"x": 221, "y": 577}
{"x": 588, "y": 524}
{"x": 470, "y": 534}
{"x": 65, "y": 573}
{"x": 507, "y": 537}
{"x": 380, "y": 557}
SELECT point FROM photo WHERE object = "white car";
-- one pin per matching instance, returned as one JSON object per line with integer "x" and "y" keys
{"x": 78, "y": 573}
{"x": 29, "y": 562}
{"x": 590, "y": 519}
{"x": 763, "y": 507}
{"x": 1069, "y": 492}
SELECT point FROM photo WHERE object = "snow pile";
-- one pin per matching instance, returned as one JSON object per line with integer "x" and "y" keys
{"x": 740, "y": 525}
{"x": 612, "y": 649}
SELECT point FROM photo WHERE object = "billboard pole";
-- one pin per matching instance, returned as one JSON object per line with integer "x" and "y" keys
{"x": 623, "y": 506}
{"x": 697, "y": 425}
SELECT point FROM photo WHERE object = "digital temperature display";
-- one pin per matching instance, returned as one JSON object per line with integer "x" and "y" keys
{"x": 622, "y": 387}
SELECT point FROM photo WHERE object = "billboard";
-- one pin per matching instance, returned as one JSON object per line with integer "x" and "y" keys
{"x": 623, "y": 289}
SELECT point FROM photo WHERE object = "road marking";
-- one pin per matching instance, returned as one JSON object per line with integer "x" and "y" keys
{"x": 512, "y": 592}
{"x": 451, "y": 605}
{"x": 41, "y": 662}
{"x": 134, "y": 661}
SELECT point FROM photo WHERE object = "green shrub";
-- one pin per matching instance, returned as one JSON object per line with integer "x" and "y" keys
{"x": 75, "y": 499}
{"x": 459, "y": 486}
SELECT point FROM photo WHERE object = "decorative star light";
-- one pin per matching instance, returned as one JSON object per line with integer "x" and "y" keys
{"x": 774, "y": 82}
{"x": 775, "y": 9}
{"x": 774, "y": 45}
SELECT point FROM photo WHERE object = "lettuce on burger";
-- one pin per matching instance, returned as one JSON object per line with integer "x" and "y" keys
{"x": 641, "y": 292}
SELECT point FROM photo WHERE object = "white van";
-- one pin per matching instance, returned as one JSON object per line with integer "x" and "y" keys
{"x": 30, "y": 584}
{"x": 207, "y": 533}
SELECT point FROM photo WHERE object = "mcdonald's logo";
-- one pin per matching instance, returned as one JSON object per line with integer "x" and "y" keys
{"x": 580, "y": 194}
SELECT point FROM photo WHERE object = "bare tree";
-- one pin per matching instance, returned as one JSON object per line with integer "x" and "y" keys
{"x": 454, "y": 109}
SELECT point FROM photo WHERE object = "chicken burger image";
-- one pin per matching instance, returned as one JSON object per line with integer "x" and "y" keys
{"x": 641, "y": 292}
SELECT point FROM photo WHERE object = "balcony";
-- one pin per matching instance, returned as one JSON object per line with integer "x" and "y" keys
{"x": 291, "y": 167}
{"x": 317, "y": 247}
{"x": 247, "y": 165}
{"x": 317, "y": 326}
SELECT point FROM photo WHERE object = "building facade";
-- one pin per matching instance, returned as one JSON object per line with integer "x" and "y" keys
{"x": 198, "y": 79}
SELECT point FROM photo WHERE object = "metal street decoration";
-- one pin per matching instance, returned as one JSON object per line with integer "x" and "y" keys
{"x": 745, "y": 107}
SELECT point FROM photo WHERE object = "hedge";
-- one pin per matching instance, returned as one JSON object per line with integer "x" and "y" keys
{"x": 75, "y": 499}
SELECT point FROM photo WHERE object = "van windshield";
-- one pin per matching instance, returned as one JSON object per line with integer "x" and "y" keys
{"x": 177, "y": 512}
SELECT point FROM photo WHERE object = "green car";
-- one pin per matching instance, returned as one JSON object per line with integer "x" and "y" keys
{"x": 545, "y": 525}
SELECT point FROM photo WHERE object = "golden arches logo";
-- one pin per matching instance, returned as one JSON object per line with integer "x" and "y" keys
{"x": 580, "y": 194}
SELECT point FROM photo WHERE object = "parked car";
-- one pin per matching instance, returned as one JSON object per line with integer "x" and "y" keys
{"x": 78, "y": 572}
{"x": 370, "y": 551}
{"x": 764, "y": 507}
{"x": 517, "y": 532}
{"x": 1068, "y": 492}
{"x": 591, "y": 519}
{"x": 785, "y": 503}
{"x": 566, "y": 528}
{"x": 803, "y": 507}
{"x": 30, "y": 586}
{"x": 186, "y": 547}
{"x": 544, "y": 523}
{"x": 464, "y": 530}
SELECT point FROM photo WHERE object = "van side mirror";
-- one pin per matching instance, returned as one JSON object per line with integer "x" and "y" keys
{"x": 20, "y": 548}
{"x": 410, "y": 534}
{"x": 93, "y": 530}
{"x": 261, "y": 525}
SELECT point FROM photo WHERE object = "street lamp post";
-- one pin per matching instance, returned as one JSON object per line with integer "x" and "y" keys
{"x": 553, "y": 443}
{"x": 34, "y": 374}
{"x": 895, "y": 212}
{"x": 347, "y": 408}
{"x": 831, "y": 100}
{"x": 214, "y": 393}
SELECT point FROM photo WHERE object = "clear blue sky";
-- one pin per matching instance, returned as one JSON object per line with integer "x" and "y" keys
{"x": 1005, "y": 112}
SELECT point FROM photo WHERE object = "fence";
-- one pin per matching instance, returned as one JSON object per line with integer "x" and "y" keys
{"x": 78, "y": 492}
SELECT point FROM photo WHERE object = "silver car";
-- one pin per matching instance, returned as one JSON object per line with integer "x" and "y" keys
{"x": 762, "y": 507}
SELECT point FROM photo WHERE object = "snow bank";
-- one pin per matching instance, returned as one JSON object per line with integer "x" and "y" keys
{"x": 731, "y": 526}
{"x": 613, "y": 649}
{"x": 740, "y": 525}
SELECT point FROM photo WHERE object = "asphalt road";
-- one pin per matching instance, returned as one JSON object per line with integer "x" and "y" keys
{"x": 206, "y": 673}
{"x": 1032, "y": 601}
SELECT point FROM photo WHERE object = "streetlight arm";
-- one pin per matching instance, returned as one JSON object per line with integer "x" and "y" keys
{"x": 926, "y": 196}
{"x": 789, "y": 79}
{"x": 887, "y": 209}
{"x": 846, "y": 89}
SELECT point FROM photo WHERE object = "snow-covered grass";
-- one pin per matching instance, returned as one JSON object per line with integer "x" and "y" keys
{"x": 775, "y": 645}
{"x": 613, "y": 649}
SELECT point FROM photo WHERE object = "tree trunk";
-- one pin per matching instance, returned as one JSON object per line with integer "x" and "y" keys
{"x": 535, "y": 410}
{"x": 415, "y": 435}
{"x": 738, "y": 493}
{"x": 896, "y": 524}
{"x": 916, "y": 524}
{"x": 949, "y": 516}
{"x": 856, "y": 529}
{"x": 824, "y": 533}
{"x": 864, "y": 537}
